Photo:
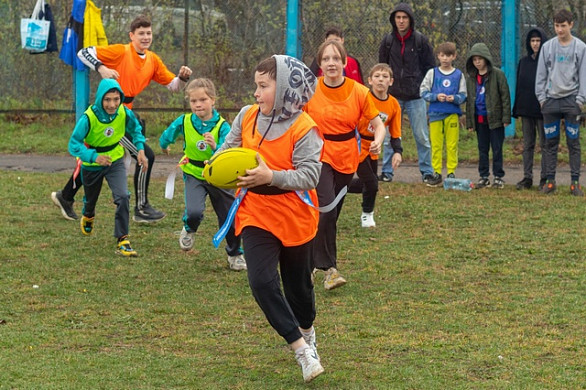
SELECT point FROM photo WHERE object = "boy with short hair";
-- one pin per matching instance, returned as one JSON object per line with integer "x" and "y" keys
{"x": 96, "y": 142}
{"x": 277, "y": 218}
{"x": 380, "y": 79}
{"x": 560, "y": 86}
{"x": 444, "y": 87}
{"x": 488, "y": 112}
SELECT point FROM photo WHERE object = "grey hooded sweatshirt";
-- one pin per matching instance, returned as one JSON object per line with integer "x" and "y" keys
{"x": 295, "y": 86}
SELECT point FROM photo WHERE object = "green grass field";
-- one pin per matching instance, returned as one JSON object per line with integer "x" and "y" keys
{"x": 451, "y": 290}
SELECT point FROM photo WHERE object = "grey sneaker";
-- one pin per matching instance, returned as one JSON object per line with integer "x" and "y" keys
{"x": 65, "y": 206}
{"x": 433, "y": 180}
{"x": 576, "y": 189}
{"x": 549, "y": 187}
{"x": 237, "y": 263}
{"x": 482, "y": 183}
{"x": 451, "y": 176}
{"x": 309, "y": 362}
{"x": 147, "y": 214}
{"x": 333, "y": 279}
{"x": 498, "y": 183}
{"x": 186, "y": 239}
{"x": 386, "y": 177}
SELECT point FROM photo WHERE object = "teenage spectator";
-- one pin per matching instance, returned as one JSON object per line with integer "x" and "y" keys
{"x": 528, "y": 109}
{"x": 410, "y": 56}
{"x": 560, "y": 86}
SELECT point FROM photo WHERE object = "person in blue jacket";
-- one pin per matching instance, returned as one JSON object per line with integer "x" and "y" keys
{"x": 96, "y": 142}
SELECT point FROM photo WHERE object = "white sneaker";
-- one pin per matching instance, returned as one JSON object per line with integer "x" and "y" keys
{"x": 333, "y": 279}
{"x": 186, "y": 239}
{"x": 237, "y": 263}
{"x": 368, "y": 220}
{"x": 309, "y": 363}
{"x": 310, "y": 340}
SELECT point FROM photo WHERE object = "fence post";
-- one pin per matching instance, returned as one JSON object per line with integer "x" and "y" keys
{"x": 81, "y": 80}
{"x": 293, "y": 47}
{"x": 510, "y": 50}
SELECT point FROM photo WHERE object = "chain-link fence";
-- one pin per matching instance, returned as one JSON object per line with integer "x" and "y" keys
{"x": 223, "y": 40}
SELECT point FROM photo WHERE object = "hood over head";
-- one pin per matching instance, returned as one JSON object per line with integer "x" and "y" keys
{"x": 296, "y": 84}
{"x": 405, "y": 8}
{"x": 479, "y": 49}
{"x": 105, "y": 86}
{"x": 536, "y": 31}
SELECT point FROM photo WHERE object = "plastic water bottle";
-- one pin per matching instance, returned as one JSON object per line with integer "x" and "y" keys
{"x": 458, "y": 184}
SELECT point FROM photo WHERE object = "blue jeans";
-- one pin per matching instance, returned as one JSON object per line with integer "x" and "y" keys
{"x": 417, "y": 112}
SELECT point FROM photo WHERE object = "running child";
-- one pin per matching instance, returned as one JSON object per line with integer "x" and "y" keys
{"x": 275, "y": 217}
{"x": 96, "y": 142}
{"x": 380, "y": 79}
{"x": 203, "y": 131}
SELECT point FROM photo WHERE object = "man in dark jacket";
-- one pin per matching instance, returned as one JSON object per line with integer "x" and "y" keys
{"x": 410, "y": 56}
{"x": 528, "y": 109}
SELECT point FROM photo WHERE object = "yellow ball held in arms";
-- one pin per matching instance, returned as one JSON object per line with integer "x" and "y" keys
{"x": 223, "y": 169}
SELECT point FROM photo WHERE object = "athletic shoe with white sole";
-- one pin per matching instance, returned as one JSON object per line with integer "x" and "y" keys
{"x": 333, "y": 279}
{"x": 65, "y": 206}
{"x": 123, "y": 248}
{"x": 147, "y": 214}
{"x": 367, "y": 220}
{"x": 310, "y": 340}
{"x": 309, "y": 362}
{"x": 186, "y": 239}
{"x": 237, "y": 263}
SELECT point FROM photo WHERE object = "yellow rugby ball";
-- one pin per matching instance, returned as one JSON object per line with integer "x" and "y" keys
{"x": 223, "y": 169}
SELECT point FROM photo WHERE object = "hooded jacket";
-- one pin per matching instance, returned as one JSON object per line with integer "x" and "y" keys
{"x": 295, "y": 85}
{"x": 77, "y": 146}
{"x": 526, "y": 104}
{"x": 410, "y": 64}
{"x": 498, "y": 100}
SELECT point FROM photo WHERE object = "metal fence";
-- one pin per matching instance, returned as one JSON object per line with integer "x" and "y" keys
{"x": 224, "y": 40}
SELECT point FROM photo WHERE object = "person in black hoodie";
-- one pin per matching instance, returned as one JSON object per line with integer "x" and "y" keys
{"x": 410, "y": 56}
{"x": 527, "y": 107}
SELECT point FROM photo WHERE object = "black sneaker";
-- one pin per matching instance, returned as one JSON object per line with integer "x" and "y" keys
{"x": 147, "y": 214}
{"x": 482, "y": 183}
{"x": 451, "y": 176}
{"x": 526, "y": 183}
{"x": 542, "y": 183}
{"x": 433, "y": 180}
{"x": 386, "y": 177}
{"x": 498, "y": 183}
{"x": 576, "y": 189}
{"x": 65, "y": 206}
{"x": 549, "y": 187}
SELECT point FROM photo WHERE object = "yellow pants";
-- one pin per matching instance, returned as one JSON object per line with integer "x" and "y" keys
{"x": 449, "y": 128}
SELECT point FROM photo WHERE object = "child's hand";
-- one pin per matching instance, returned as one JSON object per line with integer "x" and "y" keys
{"x": 396, "y": 160}
{"x": 108, "y": 73}
{"x": 257, "y": 176}
{"x": 142, "y": 160}
{"x": 374, "y": 147}
{"x": 167, "y": 150}
{"x": 104, "y": 160}
{"x": 209, "y": 138}
{"x": 450, "y": 98}
{"x": 441, "y": 97}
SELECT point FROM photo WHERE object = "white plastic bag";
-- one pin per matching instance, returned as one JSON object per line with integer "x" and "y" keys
{"x": 34, "y": 32}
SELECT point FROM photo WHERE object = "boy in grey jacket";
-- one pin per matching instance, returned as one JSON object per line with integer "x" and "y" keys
{"x": 560, "y": 87}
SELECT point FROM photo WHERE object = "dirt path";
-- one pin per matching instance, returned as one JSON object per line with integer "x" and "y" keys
{"x": 407, "y": 173}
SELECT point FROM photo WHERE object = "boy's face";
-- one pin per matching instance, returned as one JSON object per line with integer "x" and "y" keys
{"x": 479, "y": 62}
{"x": 334, "y": 37}
{"x": 331, "y": 64}
{"x": 402, "y": 22}
{"x": 265, "y": 91}
{"x": 201, "y": 104}
{"x": 141, "y": 38}
{"x": 446, "y": 60}
{"x": 380, "y": 81}
{"x": 111, "y": 102}
{"x": 563, "y": 30}
{"x": 535, "y": 44}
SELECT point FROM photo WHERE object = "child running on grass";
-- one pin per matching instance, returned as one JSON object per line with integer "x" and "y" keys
{"x": 96, "y": 141}
{"x": 203, "y": 131}
{"x": 276, "y": 217}
{"x": 379, "y": 78}
{"x": 444, "y": 87}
